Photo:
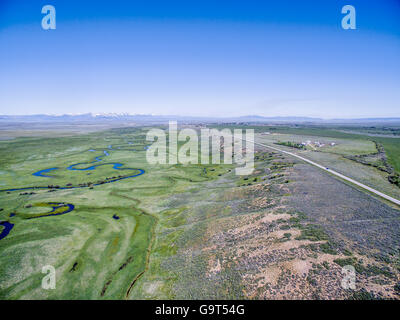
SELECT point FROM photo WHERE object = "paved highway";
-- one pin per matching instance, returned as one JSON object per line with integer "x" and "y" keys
{"x": 335, "y": 173}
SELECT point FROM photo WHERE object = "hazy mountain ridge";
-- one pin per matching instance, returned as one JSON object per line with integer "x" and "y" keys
{"x": 143, "y": 118}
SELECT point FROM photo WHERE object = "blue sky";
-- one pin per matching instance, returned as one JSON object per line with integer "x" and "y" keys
{"x": 205, "y": 58}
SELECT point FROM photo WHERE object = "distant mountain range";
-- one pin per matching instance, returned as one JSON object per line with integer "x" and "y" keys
{"x": 143, "y": 118}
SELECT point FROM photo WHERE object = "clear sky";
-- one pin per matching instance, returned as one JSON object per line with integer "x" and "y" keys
{"x": 202, "y": 58}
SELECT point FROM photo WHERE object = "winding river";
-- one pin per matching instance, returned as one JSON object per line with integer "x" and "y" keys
{"x": 116, "y": 166}
{"x": 62, "y": 208}
{"x": 7, "y": 228}
{"x": 58, "y": 208}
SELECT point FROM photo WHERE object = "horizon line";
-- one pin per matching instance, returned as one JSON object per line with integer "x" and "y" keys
{"x": 116, "y": 114}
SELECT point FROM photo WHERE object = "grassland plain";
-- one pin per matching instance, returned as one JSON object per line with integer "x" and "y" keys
{"x": 337, "y": 156}
{"x": 181, "y": 232}
{"x": 101, "y": 247}
{"x": 354, "y": 133}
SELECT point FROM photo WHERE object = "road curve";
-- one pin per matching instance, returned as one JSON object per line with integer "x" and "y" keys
{"x": 382, "y": 195}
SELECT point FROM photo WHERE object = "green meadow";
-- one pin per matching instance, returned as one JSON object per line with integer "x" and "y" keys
{"x": 100, "y": 248}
